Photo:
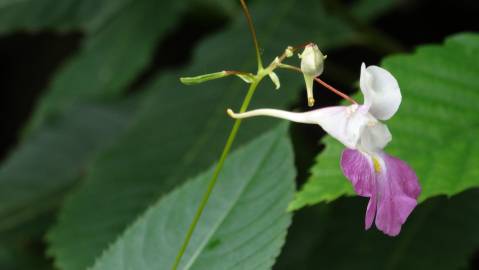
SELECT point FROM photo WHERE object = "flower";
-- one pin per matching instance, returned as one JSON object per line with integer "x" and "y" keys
{"x": 312, "y": 65}
{"x": 391, "y": 185}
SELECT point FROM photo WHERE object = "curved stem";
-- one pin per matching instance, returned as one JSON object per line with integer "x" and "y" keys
{"x": 337, "y": 92}
{"x": 318, "y": 80}
{"x": 216, "y": 173}
{"x": 253, "y": 33}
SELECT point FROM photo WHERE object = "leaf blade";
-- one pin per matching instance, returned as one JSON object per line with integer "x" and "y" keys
{"x": 37, "y": 174}
{"x": 92, "y": 74}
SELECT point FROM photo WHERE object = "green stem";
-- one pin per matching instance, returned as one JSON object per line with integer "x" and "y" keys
{"x": 253, "y": 34}
{"x": 216, "y": 173}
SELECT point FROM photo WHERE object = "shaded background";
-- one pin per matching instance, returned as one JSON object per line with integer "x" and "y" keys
{"x": 29, "y": 62}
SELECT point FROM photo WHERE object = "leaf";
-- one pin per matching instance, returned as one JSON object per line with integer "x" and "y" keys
{"x": 326, "y": 182}
{"x": 92, "y": 74}
{"x": 181, "y": 130}
{"x": 19, "y": 247}
{"x": 32, "y": 15}
{"x": 440, "y": 234}
{"x": 111, "y": 58}
{"x": 46, "y": 164}
{"x": 87, "y": 15}
{"x": 244, "y": 223}
{"x": 434, "y": 130}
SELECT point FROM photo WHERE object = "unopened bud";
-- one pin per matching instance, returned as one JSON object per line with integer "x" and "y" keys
{"x": 312, "y": 65}
{"x": 312, "y": 60}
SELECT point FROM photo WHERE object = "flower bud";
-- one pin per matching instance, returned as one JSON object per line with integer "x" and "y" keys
{"x": 312, "y": 60}
{"x": 312, "y": 65}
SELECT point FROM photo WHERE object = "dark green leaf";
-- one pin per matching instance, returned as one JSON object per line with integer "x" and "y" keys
{"x": 89, "y": 15}
{"x": 21, "y": 248}
{"x": 40, "y": 170}
{"x": 111, "y": 58}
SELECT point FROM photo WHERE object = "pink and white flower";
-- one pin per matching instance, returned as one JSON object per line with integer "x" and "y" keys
{"x": 391, "y": 185}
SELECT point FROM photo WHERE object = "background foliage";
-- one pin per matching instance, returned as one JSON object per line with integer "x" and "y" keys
{"x": 105, "y": 153}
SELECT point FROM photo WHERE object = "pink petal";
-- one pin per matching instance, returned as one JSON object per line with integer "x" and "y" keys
{"x": 358, "y": 169}
{"x": 398, "y": 192}
{"x": 393, "y": 192}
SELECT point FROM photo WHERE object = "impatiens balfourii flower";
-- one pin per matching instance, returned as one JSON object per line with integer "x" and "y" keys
{"x": 389, "y": 182}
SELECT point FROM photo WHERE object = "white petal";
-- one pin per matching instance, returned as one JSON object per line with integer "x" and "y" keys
{"x": 374, "y": 138}
{"x": 344, "y": 123}
{"x": 381, "y": 91}
{"x": 306, "y": 117}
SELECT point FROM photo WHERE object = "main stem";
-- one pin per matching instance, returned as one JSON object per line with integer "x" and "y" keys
{"x": 216, "y": 173}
